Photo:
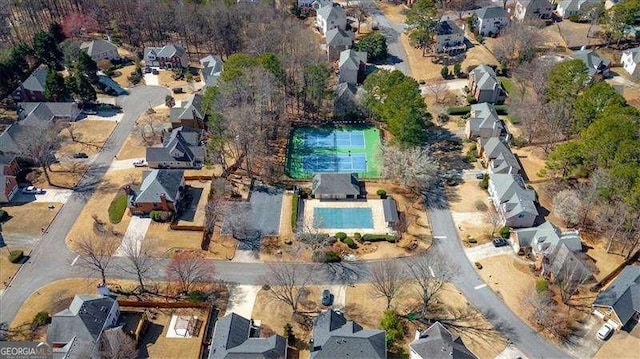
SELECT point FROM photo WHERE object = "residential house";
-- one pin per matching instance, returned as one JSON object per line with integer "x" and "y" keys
{"x": 484, "y": 122}
{"x": 532, "y": 9}
{"x": 514, "y": 202}
{"x": 438, "y": 343}
{"x": 619, "y": 304}
{"x": 490, "y": 20}
{"x": 237, "y": 337}
{"x": 338, "y": 40}
{"x": 161, "y": 190}
{"x": 568, "y": 8}
{"x": 316, "y": 4}
{"x": 181, "y": 148}
{"x": 330, "y": 16}
{"x": 79, "y": 331}
{"x": 390, "y": 212}
{"x": 169, "y": 56}
{"x": 544, "y": 239}
{"x": 32, "y": 89}
{"x": 211, "y": 70}
{"x": 188, "y": 113}
{"x": 345, "y": 101}
{"x": 351, "y": 64}
{"x": 9, "y": 169}
{"x": 100, "y": 50}
{"x": 485, "y": 86}
{"x": 449, "y": 37}
{"x": 335, "y": 186}
{"x": 595, "y": 64}
{"x": 498, "y": 156}
{"x": 335, "y": 337}
{"x": 568, "y": 268}
{"x": 630, "y": 60}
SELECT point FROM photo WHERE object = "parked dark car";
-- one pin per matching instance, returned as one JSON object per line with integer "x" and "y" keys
{"x": 80, "y": 155}
{"x": 327, "y": 298}
{"x": 500, "y": 242}
{"x": 479, "y": 175}
{"x": 155, "y": 72}
{"x": 147, "y": 70}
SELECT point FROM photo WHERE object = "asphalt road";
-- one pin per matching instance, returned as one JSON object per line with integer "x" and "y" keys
{"x": 50, "y": 259}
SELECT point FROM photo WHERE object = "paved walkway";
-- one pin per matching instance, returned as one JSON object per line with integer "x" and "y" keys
{"x": 51, "y": 195}
{"x": 133, "y": 237}
{"x": 486, "y": 250}
{"x": 242, "y": 299}
{"x": 246, "y": 256}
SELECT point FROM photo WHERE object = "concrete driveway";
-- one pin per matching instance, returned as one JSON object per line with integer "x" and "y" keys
{"x": 486, "y": 250}
{"x": 452, "y": 85}
{"x": 151, "y": 80}
{"x": 52, "y": 195}
{"x": 124, "y": 164}
{"x": 133, "y": 236}
{"x": 339, "y": 295}
{"x": 241, "y": 300}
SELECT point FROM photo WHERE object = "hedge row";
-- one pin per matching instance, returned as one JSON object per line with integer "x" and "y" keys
{"x": 349, "y": 242}
{"x": 294, "y": 211}
{"x": 378, "y": 238}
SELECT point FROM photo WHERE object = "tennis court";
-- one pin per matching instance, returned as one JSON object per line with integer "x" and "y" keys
{"x": 324, "y": 149}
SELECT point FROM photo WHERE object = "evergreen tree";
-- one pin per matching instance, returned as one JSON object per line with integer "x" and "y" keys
{"x": 55, "y": 89}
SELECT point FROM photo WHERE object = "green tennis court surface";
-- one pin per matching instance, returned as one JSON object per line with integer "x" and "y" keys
{"x": 317, "y": 149}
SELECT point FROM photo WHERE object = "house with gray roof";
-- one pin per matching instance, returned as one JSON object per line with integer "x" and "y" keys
{"x": 181, "y": 148}
{"x": 568, "y": 8}
{"x": 438, "y": 343}
{"x": 620, "y": 302}
{"x": 100, "y": 50}
{"x": 336, "y": 186}
{"x": 161, "y": 190}
{"x": 188, "y": 113}
{"x": 498, "y": 156}
{"x": 169, "y": 56}
{"x": 514, "y": 202}
{"x": 79, "y": 328}
{"x": 490, "y": 19}
{"x": 484, "y": 122}
{"x": 390, "y": 211}
{"x": 485, "y": 86}
{"x": 350, "y": 65}
{"x": 345, "y": 102}
{"x": 449, "y": 37}
{"x": 237, "y": 337}
{"x": 338, "y": 40}
{"x": 211, "y": 70}
{"x": 532, "y": 9}
{"x": 568, "y": 268}
{"x": 335, "y": 337}
{"x": 630, "y": 59}
{"x": 596, "y": 64}
{"x": 32, "y": 89}
{"x": 330, "y": 16}
{"x": 544, "y": 239}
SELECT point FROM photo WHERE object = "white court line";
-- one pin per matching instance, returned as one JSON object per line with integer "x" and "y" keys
{"x": 480, "y": 286}
{"x": 75, "y": 260}
{"x": 431, "y": 270}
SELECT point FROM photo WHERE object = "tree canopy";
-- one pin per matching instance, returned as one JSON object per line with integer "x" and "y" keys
{"x": 375, "y": 45}
{"x": 566, "y": 80}
{"x": 421, "y": 21}
{"x": 590, "y": 103}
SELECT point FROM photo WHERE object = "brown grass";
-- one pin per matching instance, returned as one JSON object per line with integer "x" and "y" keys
{"x": 164, "y": 347}
{"x": 168, "y": 240}
{"x": 165, "y": 79}
{"x": 123, "y": 79}
{"x": 393, "y": 12}
{"x": 90, "y": 137}
{"x": 619, "y": 345}
{"x": 133, "y": 147}
{"x": 65, "y": 175}
{"x": 421, "y": 66}
{"x": 8, "y": 269}
{"x": 29, "y": 218}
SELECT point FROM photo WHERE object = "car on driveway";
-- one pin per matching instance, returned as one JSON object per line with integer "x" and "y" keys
{"x": 32, "y": 190}
{"x": 500, "y": 242}
{"x": 605, "y": 331}
{"x": 480, "y": 175}
{"x": 327, "y": 298}
{"x": 140, "y": 163}
{"x": 80, "y": 155}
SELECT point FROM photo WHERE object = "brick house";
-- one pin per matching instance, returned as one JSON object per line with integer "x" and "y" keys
{"x": 8, "y": 170}
{"x": 161, "y": 190}
{"x": 32, "y": 89}
{"x": 169, "y": 56}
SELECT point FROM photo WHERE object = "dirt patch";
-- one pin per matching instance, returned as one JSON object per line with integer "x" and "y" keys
{"x": 90, "y": 136}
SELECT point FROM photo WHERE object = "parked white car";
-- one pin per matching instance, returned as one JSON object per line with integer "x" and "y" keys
{"x": 605, "y": 331}
{"x": 140, "y": 163}
{"x": 32, "y": 190}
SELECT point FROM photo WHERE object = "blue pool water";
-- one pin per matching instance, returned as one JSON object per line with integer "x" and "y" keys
{"x": 342, "y": 218}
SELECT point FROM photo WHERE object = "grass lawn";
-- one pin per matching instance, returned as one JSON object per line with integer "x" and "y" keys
{"x": 63, "y": 174}
{"x": 8, "y": 269}
{"x": 29, "y": 218}
{"x": 159, "y": 346}
{"x": 123, "y": 79}
{"x": 507, "y": 84}
{"x": 90, "y": 136}
{"x": 132, "y": 148}
{"x": 117, "y": 208}
{"x": 167, "y": 240}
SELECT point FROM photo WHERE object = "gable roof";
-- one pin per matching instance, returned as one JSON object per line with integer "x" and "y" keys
{"x": 390, "y": 210}
{"x": 33, "y": 112}
{"x": 484, "y": 116}
{"x": 168, "y": 50}
{"x": 623, "y": 294}
{"x": 98, "y": 47}
{"x": 575, "y": 4}
{"x": 351, "y": 59}
{"x": 569, "y": 266}
{"x": 491, "y": 12}
{"x": 592, "y": 60}
{"x": 231, "y": 339}
{"x": 84, "y": 319}
{"x": 37, "y": 80}
{"x": 211, "y": 69}
{"x": 485, "y": 77}
{"x": 346, "y": 91}
{"x": 335, "y": 184}
{"x": 338, "y": 37}
{"x": 438, "y": 343}
{"x": 331, "y": 11}
{"x": 545, "y": 232}
{"x": 513, "y": 194}
{"x": 181, "y": 144}
{"x": 158, "y": 182}
{"x": 502, "y": 160}
{"x": 188, "y": 110}
{"x": 633, "y": 53}
{"x": 335, "y": 337}
{"x": 448, "y": 27}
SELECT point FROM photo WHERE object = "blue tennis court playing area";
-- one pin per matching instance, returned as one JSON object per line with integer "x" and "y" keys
{"x": 337, "y": 139}
{"x": 341, "y": 218}
{"x": 329, "y": 162}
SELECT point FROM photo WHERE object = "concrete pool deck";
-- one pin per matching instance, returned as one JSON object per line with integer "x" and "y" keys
{"x": 377, "y": 212}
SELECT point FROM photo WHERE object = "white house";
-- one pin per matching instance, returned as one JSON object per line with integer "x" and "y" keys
{"x": 329, "y": 17}
{"x": 532, "y": 9}
{"x": 567, "y": 8}
{"x": 449, "y": 37}
{"x": 630, "y": 59}
{"x": 491, "y": 19}
{"x": 513, "y": 201}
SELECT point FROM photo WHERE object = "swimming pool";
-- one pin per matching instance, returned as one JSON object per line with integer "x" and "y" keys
{"x": 340, "y": 218}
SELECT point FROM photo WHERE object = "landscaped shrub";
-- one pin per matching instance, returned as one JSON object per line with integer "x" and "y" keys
{"x": 484, "y": 182}
{"x": 478, "y": 265}
{"x": 349, "y": 242}
{"x": 378, "y": 238}
{"x": 472, "y": 240}
{"x": 457, "y": 69}
{"x": 197, "y": 296}
{"x": 462, "y": 110}
{"x": 471, "y": 100}
{"x": 341, "y": 236}
{"x": 42, "y": 318}
{"x": 392, "y": 323}
{"x": 381, "y": 193}
{"x": 117, "y": 208}
{"x": 444, "y": 72}
{"x": 505, "y": 232}
{"x": 541, "y": 285}
{"x": 471, "y": 155}
{"x": 294, "y": 211}
{"x": 331, "y": 257}
{"x": 15, "y": 256}
{"x": 502, "y": 110}
{"x": 480, "y": 38}
{"x": 357, "y": 236}
{"x": 155, "y": 216}
{"x": 3, "y": 215}
{"x": 136, "y": 76}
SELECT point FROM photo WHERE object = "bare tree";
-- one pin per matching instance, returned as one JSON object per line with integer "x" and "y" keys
{"x": 517, "y": 42}
{"x": 96, "y": 253}
{"x": 544, "y": 314}
{"x": 386, "y": 280}
{"x": 138, "y": 259}
{"x": 39, "y": 142}
{"x": 413, "y": 167}
{"x": 493, "y": 218}
{"x": 568, "y": 206}
{"x": 149, "y": 128}
{"x": 116, "y": 344}
{"x": 288, "y": 282}
{"x": 438, "y": 89}
{"x": 188, "y": 269}
{"x": 430, "y": 274}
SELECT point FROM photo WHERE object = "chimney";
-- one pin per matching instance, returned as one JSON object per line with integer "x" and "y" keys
{"x": 312, "y": 348}
{"x": 163, "y": 201}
